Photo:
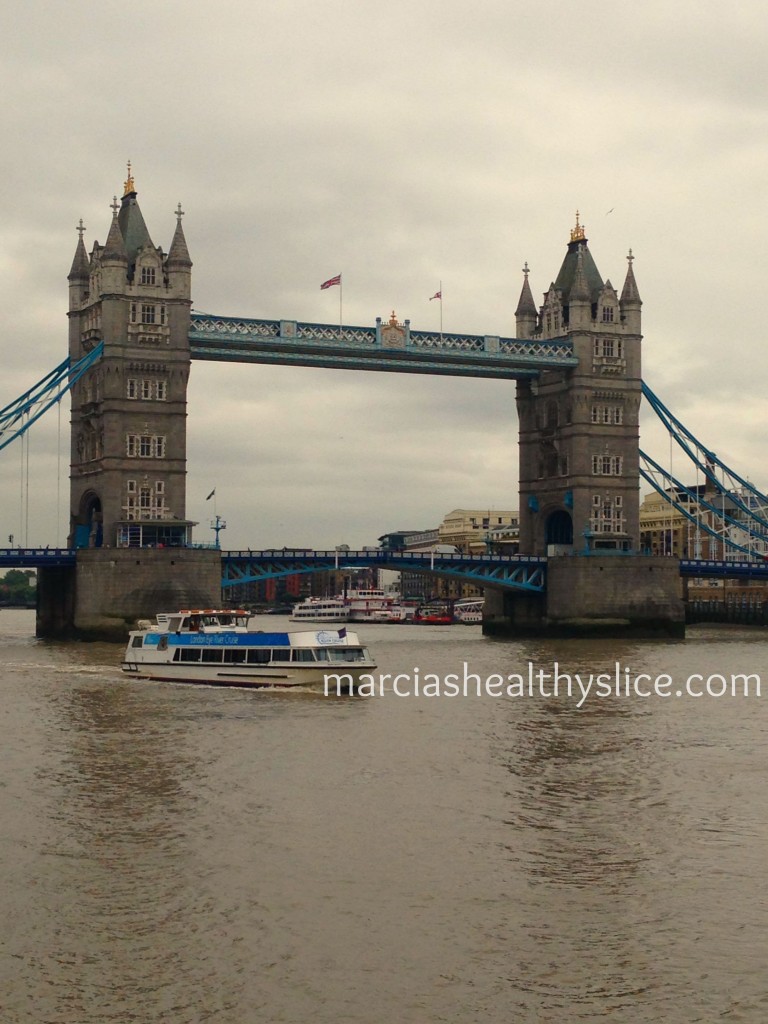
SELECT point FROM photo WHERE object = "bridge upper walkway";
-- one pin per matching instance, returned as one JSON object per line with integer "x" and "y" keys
{"x": 393, "y": 347}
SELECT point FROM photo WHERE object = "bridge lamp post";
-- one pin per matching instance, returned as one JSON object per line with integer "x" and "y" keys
{"x": 217, "y": 525}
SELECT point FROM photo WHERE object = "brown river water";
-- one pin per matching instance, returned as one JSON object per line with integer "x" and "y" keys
{"x": 189, "y": 854}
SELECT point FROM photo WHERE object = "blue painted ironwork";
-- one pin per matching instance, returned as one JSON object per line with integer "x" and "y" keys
{"x": 707, "y": 461}
{"x": 671, "y": 493}
{"x": 728, "y": 486}
{"x": 701, "y": 567}
{"x": 17, "y": 417}
{"x": 402, "y": 350}
{"x": 35, "y": 558}
{"x": 509, "y": 572}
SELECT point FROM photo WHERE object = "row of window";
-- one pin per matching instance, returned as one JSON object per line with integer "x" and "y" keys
{"x": 552, "y": 318}
{"x": 607, "y": 465}
{"x": 613, "y": 348}
{"x": 145, "y": 501}
{"x": 613, "y": 414}
{"x": 264, "y": 655}
{"x": 159, "y": 487}
{"x": 598, "y": 501}
{"x": 147, "y": 390}
{"x": 148, "y": 313}
{"x": 601, "y": 413}
{"x": 145, "y": 446}
{"x": 607, "y": 514}
{"x": 553, "y": 322}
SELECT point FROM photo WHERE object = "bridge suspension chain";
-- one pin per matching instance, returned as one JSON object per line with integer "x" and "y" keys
{"x": 740, "y": 493}
{"x": 18, "y": 416}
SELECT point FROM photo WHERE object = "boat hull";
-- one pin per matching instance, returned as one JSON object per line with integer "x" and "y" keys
{"x": 312, "y": 678}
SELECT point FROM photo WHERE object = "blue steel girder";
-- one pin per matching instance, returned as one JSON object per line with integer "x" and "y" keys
{"x": 36, "y": 558}
{"x": 18, "y": 416}
{"x": 506, "y": 572}
{"x": 383, "y": 347}
{"x": 719, "y": 568}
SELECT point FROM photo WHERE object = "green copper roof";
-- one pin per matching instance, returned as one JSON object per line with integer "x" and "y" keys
{"x": 564, "y": 281}
{"x": 132, "y": 226}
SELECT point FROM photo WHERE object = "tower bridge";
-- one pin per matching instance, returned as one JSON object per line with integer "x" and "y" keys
{"x": 575, "y": 361}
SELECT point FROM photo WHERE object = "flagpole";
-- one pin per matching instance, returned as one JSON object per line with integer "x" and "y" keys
{"x": 341, "y": 321}
{"x": 441, "y": 312}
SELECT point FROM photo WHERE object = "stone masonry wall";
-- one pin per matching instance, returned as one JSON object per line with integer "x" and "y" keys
{"x": 117, "y": 586}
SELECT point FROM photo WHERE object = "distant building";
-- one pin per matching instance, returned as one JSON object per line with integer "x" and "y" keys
{"x": 476, "y": 531}
{"x": 471, "y": 531}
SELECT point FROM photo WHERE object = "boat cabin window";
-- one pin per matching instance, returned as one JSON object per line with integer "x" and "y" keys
{"x": 346, "y": 654}
{"x": 282, "y": 654}
{"x": 234, "y": 655}
{"x": 138, "y": 641}
{"x": 259, "y": 656}
{"x": 212, "y": 656}
{"x": 322, "y": 654}
{"x": 302, "y": 654}
{"x": 182, "y": 654}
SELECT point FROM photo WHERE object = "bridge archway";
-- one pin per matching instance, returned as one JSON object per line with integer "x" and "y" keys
{"x": 89, "y": 527}
{"x": 559, "y": 528}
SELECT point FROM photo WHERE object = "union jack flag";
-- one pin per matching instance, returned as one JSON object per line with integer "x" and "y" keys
{"x": 331, "y": 282}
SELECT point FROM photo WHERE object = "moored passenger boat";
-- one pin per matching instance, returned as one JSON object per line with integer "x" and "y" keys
{"x": 373, "y": 605}
{"x": 469, "y": 611}
{"x": 433, "y": 615}
{"x": 215, "y": 647}
{"x": 321, "y": 609}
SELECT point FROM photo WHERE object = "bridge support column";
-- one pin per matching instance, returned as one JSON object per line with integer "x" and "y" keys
{"x": 56, "y": 590}
{"x": 110, "y": 588}
{"x": 594, "y": 596}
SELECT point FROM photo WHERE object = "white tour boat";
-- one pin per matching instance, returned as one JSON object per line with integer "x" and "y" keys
{"x": 215, "y": 646}
{"x": 321, "y": 609}
{"x": 374, "y": 605}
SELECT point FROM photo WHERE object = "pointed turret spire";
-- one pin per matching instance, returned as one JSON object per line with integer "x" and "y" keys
{"x": 630, "y": 302}
{"x": 80, "y": 266}
{"x": 526, "y": 306}
{"x": 526, "y": 316}
{"x": 178, "y": 254}
{"x": 114, "y": 247}
{"x": 629, "y": 292}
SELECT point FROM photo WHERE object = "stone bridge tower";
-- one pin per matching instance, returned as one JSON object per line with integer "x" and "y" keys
{"x": 579, "y": 426}
{"x": 128, "y": 458}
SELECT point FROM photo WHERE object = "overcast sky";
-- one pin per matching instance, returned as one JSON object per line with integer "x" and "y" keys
{"x": 400, "y": 144}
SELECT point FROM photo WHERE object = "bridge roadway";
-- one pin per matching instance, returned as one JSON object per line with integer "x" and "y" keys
{"x": 516, "y": 572}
